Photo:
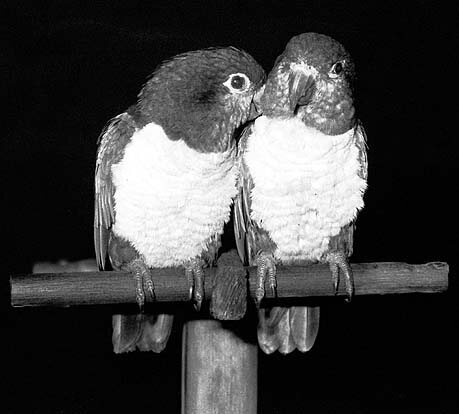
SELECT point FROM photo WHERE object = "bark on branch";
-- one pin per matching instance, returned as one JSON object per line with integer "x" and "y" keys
{"x": 91, "y": 288}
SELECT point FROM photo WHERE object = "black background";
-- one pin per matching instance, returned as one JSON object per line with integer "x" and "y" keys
{"x": 72, "y": 65}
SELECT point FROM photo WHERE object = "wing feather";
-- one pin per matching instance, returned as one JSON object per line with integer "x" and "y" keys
{"x": 361, "y": 142}
{"x": 250, "y": 238}
{"x": 241, "y": 213}
{"x": 345, "y": 239}
{"x": 111, "y": 143}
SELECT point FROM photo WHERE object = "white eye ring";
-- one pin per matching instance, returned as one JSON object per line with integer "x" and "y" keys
{"x": 237, "y": 82}
{"x": 337, "y": 69}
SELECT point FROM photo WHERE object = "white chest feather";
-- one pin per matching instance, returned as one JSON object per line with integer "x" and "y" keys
{"x": 306, "y": 185}
{"x": 169, "y": 199}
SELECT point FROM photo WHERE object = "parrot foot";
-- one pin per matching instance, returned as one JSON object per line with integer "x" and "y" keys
{"x": 266, "y": 268}
{"x": 143, "y": 281}
{"x": 338, "y": 261}
{"x": 195, "y": 277}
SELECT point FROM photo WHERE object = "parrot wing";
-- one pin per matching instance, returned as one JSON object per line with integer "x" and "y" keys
{"x": 111, "y": 143}
{"x": 345, "y": 239}
{"x": 242, "y": 221}
{"x": 361, "y": 142}
{"x": 250, "y": 238}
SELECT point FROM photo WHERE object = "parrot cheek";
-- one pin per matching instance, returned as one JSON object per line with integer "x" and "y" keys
{"x": 346, "y": 108}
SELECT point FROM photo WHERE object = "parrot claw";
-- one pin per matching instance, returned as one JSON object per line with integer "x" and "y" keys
{"x": 265, "y": 267}
{"x": 143, "y": 282}
{"x": 149, "y": 286}
{"x": 272, "y": 280}
{"x": 259, "y": 294}
{"x": 195, "y": 276}
{"x": 338, "y": 262}
{"x": 334, "y": 269}
{"x": 349, "y": 281}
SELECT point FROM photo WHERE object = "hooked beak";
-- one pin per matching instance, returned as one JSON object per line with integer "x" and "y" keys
{"x": 301, "y": 89}
{"x": 255, "y": 105}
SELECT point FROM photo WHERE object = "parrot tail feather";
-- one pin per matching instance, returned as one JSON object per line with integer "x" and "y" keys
{"x": 304, "y": 325}
{"x": 141, "y": 331}
{"x": 287, "y": 329}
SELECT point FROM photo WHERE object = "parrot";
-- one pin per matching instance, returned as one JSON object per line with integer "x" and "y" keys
{"x": 165, "y": 179}
{"x": 302, "y": 177}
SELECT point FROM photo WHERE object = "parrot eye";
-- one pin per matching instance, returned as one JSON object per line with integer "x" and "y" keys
{"x": 237, "y": 82}
{"x": 336, "y": 70}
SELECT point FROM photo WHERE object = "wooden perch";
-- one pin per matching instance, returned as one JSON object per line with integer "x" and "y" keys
{"x": 89, "y": 288}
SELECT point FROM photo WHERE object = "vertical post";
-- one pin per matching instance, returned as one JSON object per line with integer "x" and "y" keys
{"x": 219, "y": 370}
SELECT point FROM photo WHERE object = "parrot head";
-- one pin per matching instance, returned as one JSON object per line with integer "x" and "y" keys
{"x": 313, "y": 80}
{"x": 202, "y": 97}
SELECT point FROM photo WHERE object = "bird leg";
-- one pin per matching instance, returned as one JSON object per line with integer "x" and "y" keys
{"x": 266, "y": 267}
{"x": 195, "y": 277}
{"x": 143, "y": 281}
{"x": 337, "y": 261}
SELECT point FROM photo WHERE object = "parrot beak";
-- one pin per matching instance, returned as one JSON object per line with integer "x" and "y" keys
{"x": 255, "y": 105}
{"x": 301, "y": 88}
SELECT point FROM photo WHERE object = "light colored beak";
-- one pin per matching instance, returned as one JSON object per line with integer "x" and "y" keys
{"x": 301, "y": 89}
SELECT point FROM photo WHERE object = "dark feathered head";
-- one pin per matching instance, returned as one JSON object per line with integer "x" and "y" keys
{"x": 312, "y": 79}
{"x": 202, "y": 96}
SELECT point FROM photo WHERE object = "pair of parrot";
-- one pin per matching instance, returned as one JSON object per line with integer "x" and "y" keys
{"x": 170, "y": 168}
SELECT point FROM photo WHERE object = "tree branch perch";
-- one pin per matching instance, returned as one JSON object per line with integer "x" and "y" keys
{"x": 91, "y": 288}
